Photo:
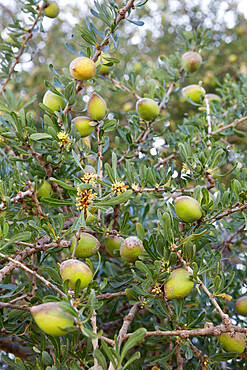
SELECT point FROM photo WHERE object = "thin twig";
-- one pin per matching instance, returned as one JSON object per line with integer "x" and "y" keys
{"x": 29, "y": 35}
{"x": 95, "y": 342}
{"x": 14, "y": 306}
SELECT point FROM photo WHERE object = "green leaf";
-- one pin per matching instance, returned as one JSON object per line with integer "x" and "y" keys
{"x": 52, "y": 202}
{"x": 21, "y": 237}
{"x": 132, "y": 341}
{"x": 40, "y": 136}
{"x": 100, "y": 358}
{"x": 140, "y": 231}
{"x": 63, "y": 184}
{"x": 119, "y": 199}
{"x": 133, "y": 358}
{"x": 88, "y": 333}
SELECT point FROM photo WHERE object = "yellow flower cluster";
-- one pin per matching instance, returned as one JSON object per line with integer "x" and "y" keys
{"x": 64, "y": 140}
{"x": 89, "y": 178}
{"x": 119, "y": 187}
{"x": 85, "y": 198}
{"x": 1, "y": 139}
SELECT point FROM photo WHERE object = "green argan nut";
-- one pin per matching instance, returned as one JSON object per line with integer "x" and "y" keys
{"x": 90, "y": 218}
{"x": 213, "y": 97}
{"x": 96, "y": 107}
{"x": 113, "y": 243}
{"x": 52, "y": 319}
{"x": 87, "y": 245}
{"x": 82, "y": 68}
{"x": 235, "y": 343}
{"x": 52, "y": 9}
{"x": 82, "y": 125}
{"x": 194, "y": 92}
{"x": 187, "y": 209}
{"x": 131, "y": 248}
{"x": 241, "y": 305}
{"x": 179, "y": 284}
{"x": 191, "y": 61}
{"x": 147, "y": 109}
{"x": 45, "y": 190}
{"x": 54, "y": 101}
{"x": 101, "y": 61}
{"x": 73, "y": 270}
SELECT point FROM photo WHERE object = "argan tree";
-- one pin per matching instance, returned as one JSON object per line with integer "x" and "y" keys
{"x": 123, "y": 189}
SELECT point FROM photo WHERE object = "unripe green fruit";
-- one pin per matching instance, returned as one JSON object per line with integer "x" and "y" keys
{"x": 236, "y": 343}
{"x": 187, "y": 209}
{"x": 82, "y": 68}
{"x": 53, "y": 101}
{"x": 82, "y": 125}
{"x": 51, "y": 318}
{"x": 213, "y": 97}
{"x": 131, "y": 248}
{"x": 74, "y": 270}
{"x": 147, "y": 108}
{"x": 241, "y": 305}
{"x": 90, "y": 219}
{"x": 96, "y": 107}
{"x": 179, "y": 284}
{"x": 113, "y": 243}
{"x": 87, "y": 245}
{"x": 191, "y": 61}
{"x": 52, "y": 9}
{"x": 45, "y": 190}
{"x": 194, "y": 92}
{"x": 100, "y": 62}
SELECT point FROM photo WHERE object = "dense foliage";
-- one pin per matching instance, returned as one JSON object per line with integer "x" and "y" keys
{"x": 60, "y": 188}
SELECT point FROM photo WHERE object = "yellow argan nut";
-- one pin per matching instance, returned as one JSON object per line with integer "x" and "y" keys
{"x": 179, "y": 284}
{"x": 113, "y": 243}
{"x": 131, "y": 248}
{"x": 74, "y": 270}
{"x": 96, "y": 107}
{"x": 45, "y": 190}
{"x": 191, "y": 61}
{"x": 82, "y": 68}
{"x": 52, "y": 9}
{"x": 101, "y": 61}
{"x": 54, "y": 101}
{"x": 194, "y": 92}
{"x": 83, "y": 126}
{"x": 241, "y": 305}
{"x": 52, "y": 319}
{"x": 187, "y": 209}
{"x": 87, "y": 245}
{"x": 147, "y": 109}
{"x": 235, "y": 343}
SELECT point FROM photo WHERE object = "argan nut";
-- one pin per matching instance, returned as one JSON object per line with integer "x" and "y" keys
{"x": 187, "y": 209}
{"x": 96, "y": 107}
{"x": 52, "y": 10}
{"x": 82, "y": 68}
{"x": 191, "y": 61}
{"x": 179, "y": 284}
{"x": 241, "y": 305}
{"x": 45, "y": 190}
{"x": 51, "y": 318}
{"x": 54, "y": 101}
{"x": 82, "y": 125}
{"x": 87, "y": 245}
{"x": 113, "y": 243}
{"x": 147, "y": 109}
{"x": 73, "y": 270}
{"x": 194, "y": 93}
{"x": 131, "y": 248}
{"x": 235, "y": 343}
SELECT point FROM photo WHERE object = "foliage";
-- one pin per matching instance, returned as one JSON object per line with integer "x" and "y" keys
{"x": 123, "y": 319}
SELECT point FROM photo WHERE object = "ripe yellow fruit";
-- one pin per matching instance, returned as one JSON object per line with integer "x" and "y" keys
{"x": 51, "y": 318}
{"x": 235, "y": 343}
{"x": 87, "y": 245}
{"x": 131, "y": 248}
{"x": 82, "y": 68}
{"x": 179, "y": 284}
{"x": 187, "y": 209}
{"x": 73, "y": 270}
{"x": 101, "y": 61}
{"x": 96, "y": 107}
{"x": 52, "y": 9}
{"x": 83, "y": 126}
